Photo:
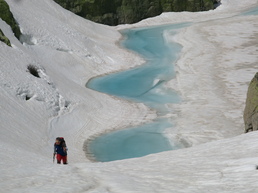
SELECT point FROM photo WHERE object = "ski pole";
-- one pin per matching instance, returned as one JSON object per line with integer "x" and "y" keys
{"x": 54, "y": 157}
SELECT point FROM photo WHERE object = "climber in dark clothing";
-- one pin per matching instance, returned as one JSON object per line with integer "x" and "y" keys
{"x": 60, "y": 150}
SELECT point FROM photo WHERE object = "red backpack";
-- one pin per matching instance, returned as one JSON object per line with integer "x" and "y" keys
{"x": 62, "y": 141}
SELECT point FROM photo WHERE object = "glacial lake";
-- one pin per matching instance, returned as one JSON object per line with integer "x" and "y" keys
{"x": 144, "y": 84}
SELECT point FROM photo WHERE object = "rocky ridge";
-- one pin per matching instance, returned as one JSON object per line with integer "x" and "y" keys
{"x": 114, "y": 12}
{"x": 251, "y": 108}
{"x": 7, "y": 16}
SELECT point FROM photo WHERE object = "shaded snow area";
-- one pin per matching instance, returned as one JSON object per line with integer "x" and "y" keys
{"x": 217, "y": 62}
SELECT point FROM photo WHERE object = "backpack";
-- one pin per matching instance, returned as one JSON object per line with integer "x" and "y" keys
{"x": 62, "y": 141}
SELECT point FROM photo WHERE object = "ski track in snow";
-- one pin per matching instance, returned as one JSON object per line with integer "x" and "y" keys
{"x": 218, "y": 60}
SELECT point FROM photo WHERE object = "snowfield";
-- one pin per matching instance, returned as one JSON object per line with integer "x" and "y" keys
{"x": 217, "y": 62}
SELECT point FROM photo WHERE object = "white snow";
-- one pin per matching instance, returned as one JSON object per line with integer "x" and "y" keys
{"x": 218, "y": 60}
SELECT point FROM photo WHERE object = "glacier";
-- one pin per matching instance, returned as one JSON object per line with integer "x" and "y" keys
{"x": 217, "y": 62}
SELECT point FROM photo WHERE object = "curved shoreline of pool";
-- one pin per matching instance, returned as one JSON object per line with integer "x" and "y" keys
{"x": 149, "y": 90}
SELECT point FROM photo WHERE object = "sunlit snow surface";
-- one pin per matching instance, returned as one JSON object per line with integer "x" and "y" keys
{"x": 218, "y": 60}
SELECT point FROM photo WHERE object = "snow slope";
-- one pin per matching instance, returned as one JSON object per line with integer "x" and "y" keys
{"x": 218, "y": 60}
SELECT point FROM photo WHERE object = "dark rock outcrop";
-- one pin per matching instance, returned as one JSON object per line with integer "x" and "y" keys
{"x": 114, "y": 12}
{"x": 4, "y": 39}
{"x": 7, "y": 16}
{"x": 251, "y": 108}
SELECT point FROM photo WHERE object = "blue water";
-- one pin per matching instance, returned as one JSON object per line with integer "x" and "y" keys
{"x": 145, "y": 83}
{"x": 142, "y": 84}
{"x": 132, "y": 142}
{"x": 252, "y": 11}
